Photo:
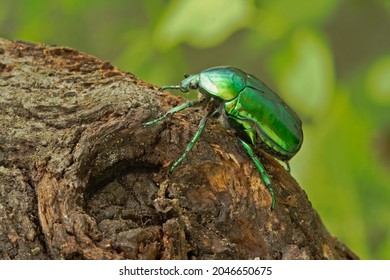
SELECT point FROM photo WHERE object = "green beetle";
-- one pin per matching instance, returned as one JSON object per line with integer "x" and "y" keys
{"x": 258, "y": 115}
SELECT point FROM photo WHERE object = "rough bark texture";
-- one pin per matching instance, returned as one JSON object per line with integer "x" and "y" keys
{"x": 81, "y": 178}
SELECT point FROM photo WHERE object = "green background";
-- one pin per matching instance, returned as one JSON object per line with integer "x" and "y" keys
{"x": 330, "y": 60}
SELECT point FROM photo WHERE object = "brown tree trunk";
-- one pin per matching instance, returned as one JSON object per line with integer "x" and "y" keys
{"x": 81, "y": 178}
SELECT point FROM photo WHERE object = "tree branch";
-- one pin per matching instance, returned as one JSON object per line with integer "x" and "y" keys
{"x": 81, "y": 178}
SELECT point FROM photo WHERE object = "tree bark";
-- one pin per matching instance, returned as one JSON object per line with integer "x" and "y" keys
{"x": 81, "y": 178}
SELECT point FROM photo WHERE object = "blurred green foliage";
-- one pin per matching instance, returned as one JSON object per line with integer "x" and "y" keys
{"x": 329, "y": 59}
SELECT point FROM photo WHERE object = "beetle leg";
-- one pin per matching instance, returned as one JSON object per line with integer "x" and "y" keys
{"x": 170, "y": 87}
{"x": 190, "y": 145}
{"x": 176, "y": 109}
{"x": 261, "y": 169}
{"x": 288, "y": 166}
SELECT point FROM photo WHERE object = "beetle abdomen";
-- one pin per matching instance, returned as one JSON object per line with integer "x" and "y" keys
{"x": 273, "y": 120}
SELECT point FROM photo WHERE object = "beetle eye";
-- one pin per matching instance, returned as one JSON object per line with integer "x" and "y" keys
{"x": 193, "y": 85}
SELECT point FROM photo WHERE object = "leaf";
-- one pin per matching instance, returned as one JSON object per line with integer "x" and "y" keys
{"x": 304, "y": 68}
{"x": 201, "y": 23}
{"x": 378, "y": 81}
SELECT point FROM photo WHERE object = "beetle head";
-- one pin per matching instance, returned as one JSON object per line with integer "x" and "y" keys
{"x": 190, "y": 82}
